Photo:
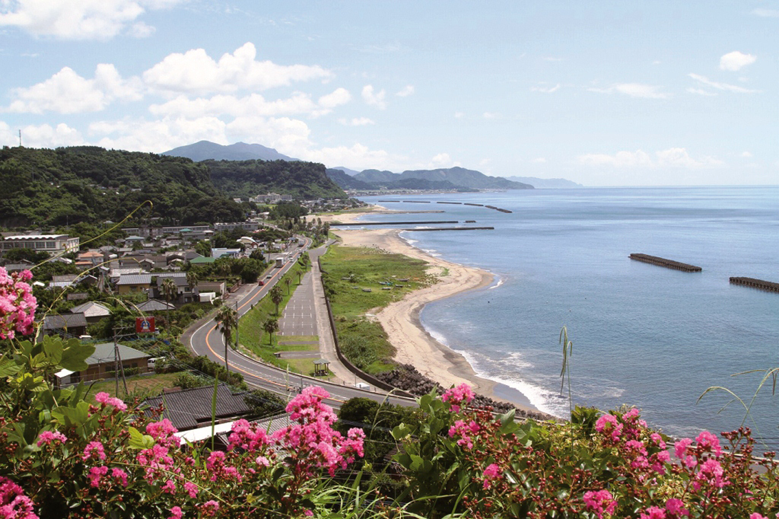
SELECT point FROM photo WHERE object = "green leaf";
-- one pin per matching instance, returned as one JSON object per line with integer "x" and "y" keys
{"x": 53, "y": 350}
{"x": 139, "y": 440}
{"x": 8, "y": 367}
{"x": 507, "y": 423}
{"x": 75, "y": 355}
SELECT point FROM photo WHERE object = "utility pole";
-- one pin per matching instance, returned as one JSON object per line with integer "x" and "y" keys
{"x": 20, "y": 138}
{"x": 237, "y": 317}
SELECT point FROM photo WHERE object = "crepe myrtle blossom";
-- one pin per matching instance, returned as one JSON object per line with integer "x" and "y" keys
{"x": 47, "y": 437}
{"x": 13, "y": 502}
{"x": 492, "y": 472}
{"x": 17, "y": 304}
{"x": 600, "y": 502}
{"x": 106, "y": 399}
{"x": 457, "y": 395}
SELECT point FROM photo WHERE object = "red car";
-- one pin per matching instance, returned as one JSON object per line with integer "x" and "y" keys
{"x": 260, "y": 282}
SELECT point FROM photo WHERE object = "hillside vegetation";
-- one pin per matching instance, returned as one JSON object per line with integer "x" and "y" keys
{"x": 43, "y": 187}
{"x": 304, "y": 180}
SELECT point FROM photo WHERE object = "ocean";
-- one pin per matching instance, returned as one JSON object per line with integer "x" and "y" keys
{"x": 642, "y": 335}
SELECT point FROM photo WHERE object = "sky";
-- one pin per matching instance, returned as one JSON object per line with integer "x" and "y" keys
{"x": 603, "y": 93}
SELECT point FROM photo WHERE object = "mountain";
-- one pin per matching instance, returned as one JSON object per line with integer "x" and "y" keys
{"x": 44, "y": 188}
{"x": 546, "y": 183}
{"x": 247, "y": 178}
{"x": 205, "y": 150}
{"x": 348, "y": 171}
{"x": 345, "y": 181}
{"x": 458, "y": 177}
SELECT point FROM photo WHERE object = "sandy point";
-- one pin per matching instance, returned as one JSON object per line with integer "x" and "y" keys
{"x": 401, "y": 319}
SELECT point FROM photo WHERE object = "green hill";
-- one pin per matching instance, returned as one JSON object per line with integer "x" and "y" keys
{"x": 43, "y": 187}
{"x": 303, "y": 180}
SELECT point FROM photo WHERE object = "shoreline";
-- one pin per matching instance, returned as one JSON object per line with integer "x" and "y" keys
{"x": 401, "y": 320}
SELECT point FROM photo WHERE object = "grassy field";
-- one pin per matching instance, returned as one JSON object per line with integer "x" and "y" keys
{"x": 361, "y": 280}
{"x": 141, "y": 386}
{"x": 250, "y": 327}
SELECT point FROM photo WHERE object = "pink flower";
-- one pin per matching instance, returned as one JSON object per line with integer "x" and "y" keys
{"x": 209, "y": 508}
{"x": 711, "y": 472}
{"x": 46, "y": 437}
{"x": 176, "y": 513}
{"x": 681, "y": 450}
{"x": 600, "y": 502}
{"x": 457, "y": 395}
{"x": 119, "y": 475}
{"x": 491, "y": 473}
{"x": 308, "y": 513}
{"x": 757, "y": 516}
{"x": 709, "y": 442}
{"x": 190, "y": 488}
{"x": 13, "y": 502}
{"x": 106, "y": 399}
{"x": 17, "y": 304}
{"x": 653, "y": 513}
{"x": 96, "y": 475}
{"x": 93, "y": 447}
{"x": 609, "y": 422}
{"x": 675, "y": 507}
{"x": 263, "y": 461}
{"x": 169, "y": 487}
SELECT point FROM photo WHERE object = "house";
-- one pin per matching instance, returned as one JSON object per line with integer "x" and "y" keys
{"x": 92, "y": 311}
{"x": 102, "y": 363}
{"x": 133, "y": 283}
{"x": 152, "y": 305}
{"x": 89, "y": 259}
{"x": 66, "y": 325}
{"x": 218, "y": 287}
{"x": 191, "y": 408}
{"x": 221, "y": 253}
{"x": 184, "y": 293}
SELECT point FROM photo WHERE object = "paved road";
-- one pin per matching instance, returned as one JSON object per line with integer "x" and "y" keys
{"x": 207, "y": 340}
{"x": 299, "y": 317}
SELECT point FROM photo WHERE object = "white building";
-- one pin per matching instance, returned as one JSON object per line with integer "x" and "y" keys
{"x": 51, "y": 243}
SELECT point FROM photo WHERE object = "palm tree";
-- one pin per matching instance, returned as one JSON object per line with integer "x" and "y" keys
{"x": 288, "y": 282}
{"x": 227, "y": 321}
{"x": 270, "y": 326}
{"x": 276, "y": 296}
{"x": 169, "y": 289}
{"x": 192, "y": 279}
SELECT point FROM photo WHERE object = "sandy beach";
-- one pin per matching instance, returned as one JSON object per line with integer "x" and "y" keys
{"x": 401, "y": 319}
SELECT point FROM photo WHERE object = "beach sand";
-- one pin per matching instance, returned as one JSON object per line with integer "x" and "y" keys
{"x": 401, "y": 319}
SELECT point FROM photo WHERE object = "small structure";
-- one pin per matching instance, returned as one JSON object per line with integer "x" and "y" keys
{"x": 92, "y": 311}
{"x": 154, "y": 305}
{"x": 66, "y": 325}
{"x": 321, "y": 367}
{"x": 102, "y": 363}
{"x": 191, "y": 408}
{"x": 133, "y": 283}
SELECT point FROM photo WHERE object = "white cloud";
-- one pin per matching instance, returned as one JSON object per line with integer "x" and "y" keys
{"x": 442, "y": 160}
{"x": 158, "y": 135}
{"x": 66, "y": 92}
{"x": 42, "y": 136}
{"x": 545, "y": 90}
{"x": 746, "y": 155}
{"x": 736, "y": 60}
{"x": 406, "y": 91}
{"x": 196, "y": 72}
{"x": 357, "y": 121}
{"x": 722, "y": 86}
{"x": 141, "y": 30}
{"x": 701, "y": 92}
{"x": 232, "y": 106}
{"x": 670, "y": 158}
{"x": 459, "y": 115}
{"x": 539, "y": 160}
{"x": 372, "y": 98}
{"x": 338, "y": 97}
{"x": 490, "y": 115}
{"x": 766, "y": 13}
{"x": 80, "y": 19}
{"x": 633, "y": 90}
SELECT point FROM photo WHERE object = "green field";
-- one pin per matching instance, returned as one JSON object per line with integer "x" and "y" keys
{"x": 141, "y": 386}
{"x": 364, "y": 280}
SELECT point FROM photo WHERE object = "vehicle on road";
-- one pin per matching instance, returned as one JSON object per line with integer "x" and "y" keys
{"x": 261, "y": 282}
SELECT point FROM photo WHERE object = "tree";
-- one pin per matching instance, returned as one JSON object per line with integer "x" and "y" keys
{"x": 264, "y": 403}
{"x": 276, "y": 296}
{"x": 169, "y": 289}
{"x": 270, "y": 326}
{"x": 192, "y": 279}
{"x": 288, "y": 282}
{"x": 227, "y": 321}
{"x": 203, "y": 248}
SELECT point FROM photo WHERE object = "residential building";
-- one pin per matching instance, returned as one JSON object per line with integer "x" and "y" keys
{"x": 133, "y": 283}
{"x": 51, "y": 243}
{"x": 191, "y": 408}
{"x": 92, "y": 310}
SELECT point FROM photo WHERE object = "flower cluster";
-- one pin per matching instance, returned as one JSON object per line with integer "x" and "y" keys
{"x": 106, "y": 399}
{"x": 600, "y": 502}
{"x": 13, "y": 502}
{"x": 456, "y": 396}
{"x": 17, "y": 304}
{"x": 464, "y": 432}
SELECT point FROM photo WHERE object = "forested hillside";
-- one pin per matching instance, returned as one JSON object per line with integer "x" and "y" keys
{"x": 304, "y": 180}
{"x": 43, "y": 187}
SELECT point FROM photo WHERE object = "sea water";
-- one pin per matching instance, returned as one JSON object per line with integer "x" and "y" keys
{"x": 642, "y": 335}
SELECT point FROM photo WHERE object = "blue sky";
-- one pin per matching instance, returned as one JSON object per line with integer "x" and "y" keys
{"x": 602, "y": 93}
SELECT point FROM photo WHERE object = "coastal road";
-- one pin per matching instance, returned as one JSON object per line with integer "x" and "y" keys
{"x": 207, "y": 340}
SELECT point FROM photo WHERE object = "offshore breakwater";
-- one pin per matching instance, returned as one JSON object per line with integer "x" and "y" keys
{"x": 755, "y": 283}
{"x": 662, "y": 262}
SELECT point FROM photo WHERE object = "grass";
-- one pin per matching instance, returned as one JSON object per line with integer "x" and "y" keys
{"x": 141, "y": 386}
{"x": 306, "y": 367}
{"x": 348, "y": 273}
{"x": 250, "y": 327}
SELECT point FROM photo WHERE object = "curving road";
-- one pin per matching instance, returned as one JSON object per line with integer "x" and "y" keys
{"x": 207, "y": 340}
